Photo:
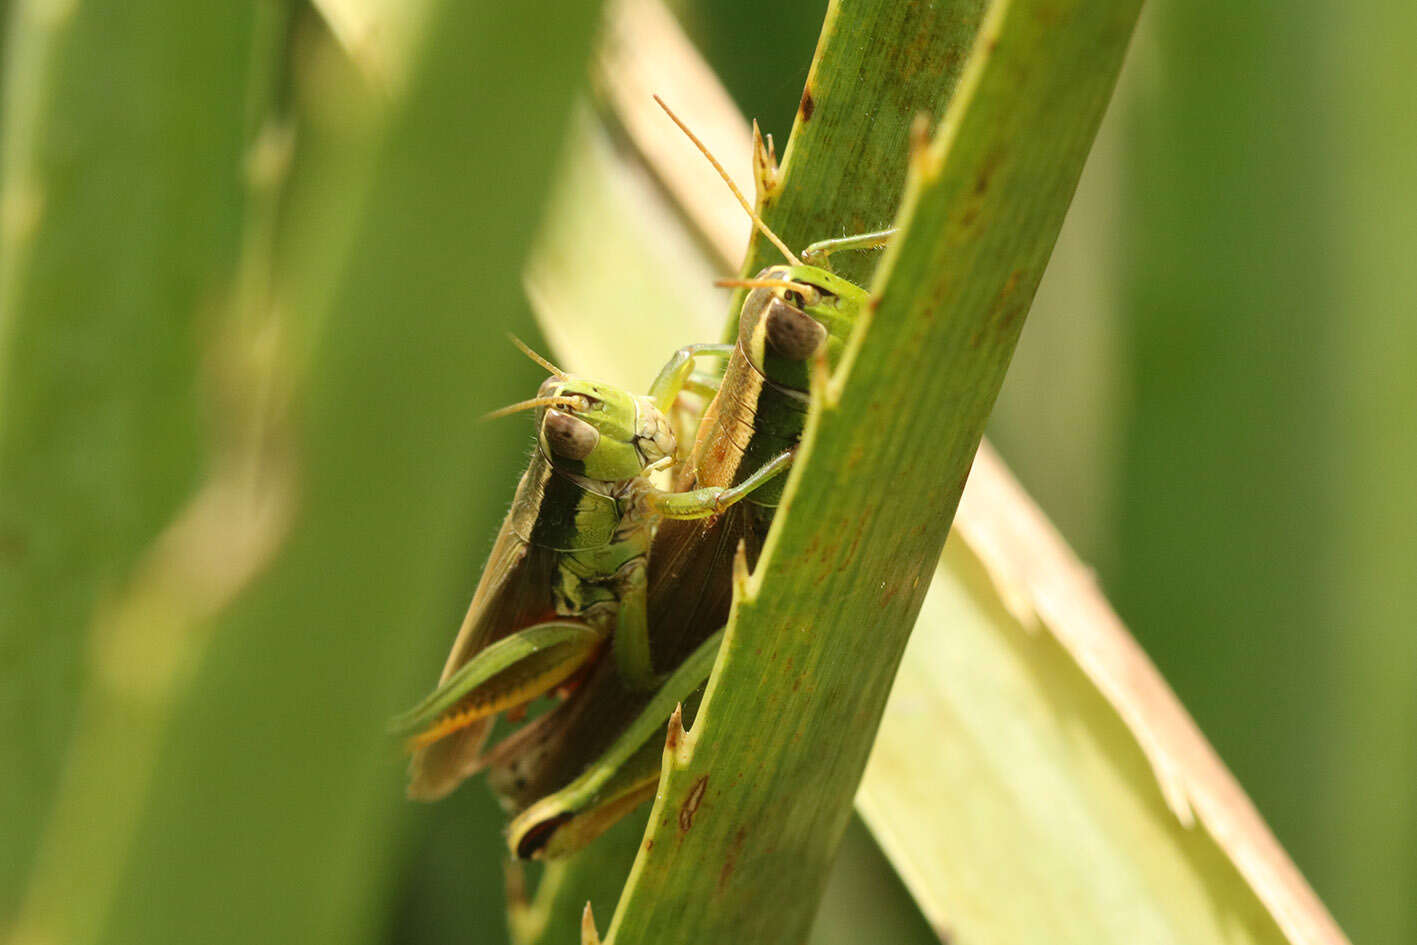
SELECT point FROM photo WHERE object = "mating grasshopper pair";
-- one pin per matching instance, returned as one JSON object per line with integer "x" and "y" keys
{"x": 593, "y": 555}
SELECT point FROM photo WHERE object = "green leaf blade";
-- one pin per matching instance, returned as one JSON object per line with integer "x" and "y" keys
{"x": 115, "y": 251}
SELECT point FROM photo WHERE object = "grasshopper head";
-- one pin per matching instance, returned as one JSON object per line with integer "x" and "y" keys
{"x": 600, "y": 431}
{"x": 783, "y": 327}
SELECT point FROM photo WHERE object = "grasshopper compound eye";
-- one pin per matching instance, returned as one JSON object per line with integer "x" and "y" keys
{"x": 791, "y": 332}
{"x": 569, "y": 437}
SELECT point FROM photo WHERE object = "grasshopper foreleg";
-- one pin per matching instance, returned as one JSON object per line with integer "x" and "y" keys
{"x": 711, "y": 500}
{"x": 817, "y": 253}
{"x": 677, "y": 374}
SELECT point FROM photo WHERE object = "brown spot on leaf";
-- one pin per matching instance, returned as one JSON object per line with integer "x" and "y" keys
{"x": 991, "y": 164}
{"x": 1008, "y": 322}
{"x": 851, "y": 552}
{"x": 808, "y": 104}
{"x": 12, "y": 544}
{"x": 730, "y": 860}
{"x": 691, "y": 804}
{"x": 954, "y": 55}
{"x": 1007, "y": 314}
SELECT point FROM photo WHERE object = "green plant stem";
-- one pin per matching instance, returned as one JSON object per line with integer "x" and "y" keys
{"x": 753, "y": 801}
{"x": 877, "y": 67}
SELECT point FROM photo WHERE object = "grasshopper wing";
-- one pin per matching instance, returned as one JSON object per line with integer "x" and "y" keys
{"x": 513, "y": 594}
{"x": 691, "y": 589}
{"x": 691, "y": 579}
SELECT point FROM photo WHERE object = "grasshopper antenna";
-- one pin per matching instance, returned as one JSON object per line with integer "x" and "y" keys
{"x": 525, "y": 349}
{"x": 808, "y": 292}
{"x": 742, "y": 201}
{"x": 798, "y": 287}
{"x": 529, "y": 405}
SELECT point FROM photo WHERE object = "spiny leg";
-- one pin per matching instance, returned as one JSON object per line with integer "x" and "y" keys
{"x": 616, "y": 782}
{"x": 711, "y": 500}
{"x": 817, "y": 253}
{"x": 510, "y": 672}
{"x": 676, "y": 373}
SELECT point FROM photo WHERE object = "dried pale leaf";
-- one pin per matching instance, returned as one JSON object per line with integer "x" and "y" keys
{"x": 379, "y": 36}
{"x": 645, "y": 53}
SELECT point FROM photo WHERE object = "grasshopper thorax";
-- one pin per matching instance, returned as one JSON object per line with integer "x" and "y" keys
{"x": 600, "y": 431}
{"x": 806, "y": 313}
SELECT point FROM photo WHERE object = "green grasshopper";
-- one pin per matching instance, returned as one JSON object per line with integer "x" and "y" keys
{"x": 568, "y": 569}
{"x": 596, "y": 757}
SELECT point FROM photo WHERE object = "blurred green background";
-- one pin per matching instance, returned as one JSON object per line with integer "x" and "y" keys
{"x": 1215, "y": 399}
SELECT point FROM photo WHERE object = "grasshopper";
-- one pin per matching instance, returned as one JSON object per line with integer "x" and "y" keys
{"x": 568, "y": 570}
{"x": 579, "y": 769}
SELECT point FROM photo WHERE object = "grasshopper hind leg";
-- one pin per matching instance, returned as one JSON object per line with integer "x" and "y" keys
{"x": 561, "y": 832}
{"x": 446, "y": 730}
{"x": 617, "y": 782}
